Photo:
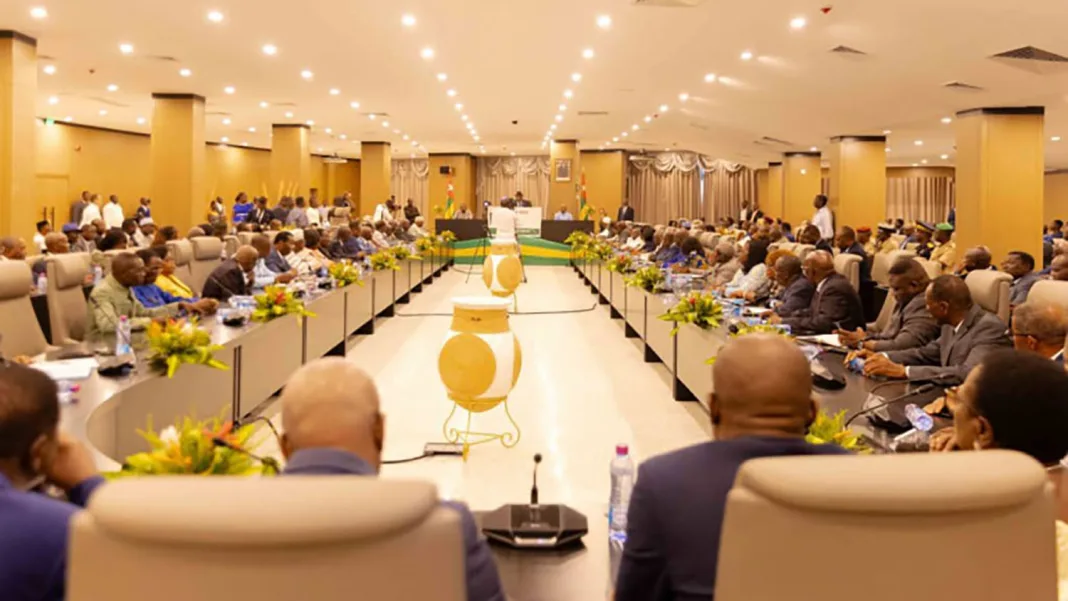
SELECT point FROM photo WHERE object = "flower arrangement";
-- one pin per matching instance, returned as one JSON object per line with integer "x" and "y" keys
{"x": 698, "y": 308}
{"x": 190, "y": 448}
{"x": 831, "y": 430}
{"x": 647, "y": 278}
{"x": 425, "y": 244}
{"x": 176, "y": 342}
{"x": 578, "y": 240}
{"x": 345, "y": 274}
{"x": 743, "y": 329}
{"x": 401, "y": 252}
{"x": 619, "y": 263}
{"x": 383, "y": 260}
{"x": 599, "y": 251}
{"x": 276, "y": 301}
{"x": 439, "y": 211}
{"x": 446, "y": 238}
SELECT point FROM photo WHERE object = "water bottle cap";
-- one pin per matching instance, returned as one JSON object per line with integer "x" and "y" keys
{"x": 622, "y": 449}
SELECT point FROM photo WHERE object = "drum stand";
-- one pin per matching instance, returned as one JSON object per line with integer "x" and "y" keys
{"x": 469, "y": 438}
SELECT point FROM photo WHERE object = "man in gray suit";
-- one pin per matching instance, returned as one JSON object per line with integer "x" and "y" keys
{"x": 968, "y": 334}
{"x": 910, "y": 325}
{"x": 835, "y": 304}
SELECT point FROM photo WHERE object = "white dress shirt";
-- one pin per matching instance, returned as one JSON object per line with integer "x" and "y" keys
{"x": 90, "y": 214}
{"x": 113, "y": 215}
{"x": 417, "y": 231}
{"x": 39, "y": 242}
{"x": 825, "y": 222}
{"x": 634, "y": 243}
{"x": 313, "y": 215}
{"x": 382, "y": 213}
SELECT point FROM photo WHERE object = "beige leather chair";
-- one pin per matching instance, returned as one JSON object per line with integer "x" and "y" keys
{"x": 881, "y": 263}
{"x": 932, "y": 268}
{"x": 939, "y": 526}
{"x": 182, "y": 251}
{"x": 802, "y": 250}
{"x": 1049, "y": 291}
{"x": 66, "y": 299}
{"x": 774, "y": 246}
{"x": 883, "y": 319}
{"x": 790, "y": 247}
{"x": 19, "y": 332}
{"x": 109, "y": 256}
{"x": 245, "y": 238}
{"x": 340, "y": 216}
{"x": 848, "y": 266}
{"x": 990, "y": 290}
{"x": 207, "y": 253}
{"x": 328, "y": 538}
{"x": 897, "y": 239}
{"x": 230, "y": 244}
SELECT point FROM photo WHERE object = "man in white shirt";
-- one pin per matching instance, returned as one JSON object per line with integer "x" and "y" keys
{"x": 314, "y": 217}
{"x": 606, "y": 227}
{"x": 823, "y": 218}
{"x": 113, "y": 216}
{"x": 91, "y": 212}
{"x": 463, "y": 213}
{"x": 635, "y": 241}
{"x": 417, "y": 228}
{"x": 384, "y": 212}
{"x": 43, "y": 228}
{"x": 378, "y": 238}
{"x": 563, "y": 215}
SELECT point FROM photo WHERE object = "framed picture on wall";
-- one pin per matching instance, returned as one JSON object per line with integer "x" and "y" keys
{"x": 562, "y": 169}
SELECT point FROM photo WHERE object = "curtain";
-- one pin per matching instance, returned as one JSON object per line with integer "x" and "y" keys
{"x": 665, "y": 186}
{"x": 919, "y": 198}
{"x": 726, "y": 186}
{"x": 410, "y": 180}
{"x": 500, "y": 177}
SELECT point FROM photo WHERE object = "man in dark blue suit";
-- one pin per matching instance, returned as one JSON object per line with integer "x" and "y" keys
{"x": 1040, "y": 327}
{"x": 762, "y": 407}
{"x": 283, "y": 245}
{"x": 333, "y": 426}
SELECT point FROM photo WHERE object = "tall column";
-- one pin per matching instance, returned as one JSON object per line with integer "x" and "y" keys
{"x": 564, "y": 192}
{"x": 800, "y": 184}
{"x": 179, "y": 191}
{"x": 18, "y": 92}
{"x": 461, "y": 174}
{"x": 1000, "y": 162}
{"x": 605, "y": 172}
{"x": 376, "y": 171}
{"x": 772, "y": 206}
{"x": 858, "y": 180}
{"x": 290, "y": 159}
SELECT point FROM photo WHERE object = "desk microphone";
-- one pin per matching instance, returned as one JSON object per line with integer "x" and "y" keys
{"x": 268, "y": 462}
{"x": 908, "y": 395}
{"x": 534, "y": 489}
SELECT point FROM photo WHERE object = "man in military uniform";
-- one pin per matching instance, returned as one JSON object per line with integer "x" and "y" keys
{"x": 865, "y": 241}
{"x": 882, "y": 244}
{"x": 924, "y": 246}
{"x": 946, "y": 252}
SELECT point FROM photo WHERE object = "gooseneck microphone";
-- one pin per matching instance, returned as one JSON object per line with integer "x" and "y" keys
{"x": 534, "y": 489}
{"x": 908, "y": 395}
{"x": 268, "y": 462}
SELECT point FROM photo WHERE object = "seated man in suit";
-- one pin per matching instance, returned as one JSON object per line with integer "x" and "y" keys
{"x": 1021, "y": 266}
{"x": 1040, "y": 327}
{"x": 835, "y": 305}
{"x": 968, "y": 334}
{"x": 266, "y": 275}
{"x": 975, "y": 259}
{"x": 846, "y": 241}
{"x": 276, "y": 260}
{"x": 675, "y": 517}
{"x": 797, "y": 290}
{"x": 150, "y": 295}
{"x": 113, "y": 297}
{"x": 333, "y": 426}
{"x": 234, "y": 276}
{"x": 910, "y": 325}
{"x": 33, "y": 451}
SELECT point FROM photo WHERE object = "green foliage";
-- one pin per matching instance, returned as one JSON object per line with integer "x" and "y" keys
{"x": 619, "y": 263}
{"x": 647, "y": 278}
{"x": 745, "y": 329}
{"x": 698, "y": 308}
{"x": 425, "y": 244}
{"x": 178, "y": 342}
{"x": 599, "y": 251}
{"x": 383, "y": 260}
{"x": 345, "y": 274}
{"x": 276, "y": 301}
{"x": 188, "y": 448}
{"x": 831, "y": 430}
{"x": 578, "y": 240}
{"x": 446, "y": 238}
{"x": 401, "y": 252}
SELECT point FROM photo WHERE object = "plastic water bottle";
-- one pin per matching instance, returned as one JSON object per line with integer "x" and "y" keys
{"x": 42, "y": 283}
{"x": 98, "y": 274}
{"x": 123, "y": 331}
{"x": 918, "y": 438}
{"x": 918, "y": 418}
{"x": 622, "y": 468}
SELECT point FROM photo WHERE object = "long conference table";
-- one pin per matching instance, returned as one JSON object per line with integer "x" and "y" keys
{"x": 108, "y": 411}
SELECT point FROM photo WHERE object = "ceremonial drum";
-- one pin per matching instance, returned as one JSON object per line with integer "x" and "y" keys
{"x": 480, "y": 361}
{"x": 502, "y": 271}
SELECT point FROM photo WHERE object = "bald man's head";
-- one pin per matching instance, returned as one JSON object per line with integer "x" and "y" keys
{"x": 262, "y": 244}
{"x": 332, "y": 404}
{"x": 246, "y": 256}
{"x": 747, "y": 402}
{"x": 818, "y": 265}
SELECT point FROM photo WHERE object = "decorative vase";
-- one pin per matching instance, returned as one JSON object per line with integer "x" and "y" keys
{"x": 502, "y": 271}
{"x": 479, "y": 365}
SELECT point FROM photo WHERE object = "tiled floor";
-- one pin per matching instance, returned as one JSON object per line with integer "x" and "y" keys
{"x": 583, "y": 388}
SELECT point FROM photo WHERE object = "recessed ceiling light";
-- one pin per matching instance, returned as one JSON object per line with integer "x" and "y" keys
{"x": 576, "y": 77}
{"x": 270, "y": 49}
{"x": 947, "y": 120}
{"x": 915, "y": 164}
{"x": 103, "y": 112}
{"x": 126, "y": 48}
{"x": 945, "y": 157}
{"x": 663, "y": 108}
{"x": 427, "y": 53}
{"x": 684, "y": 97}
{"x": 813, "y": 149}
{"x": 309, "y": 123}
{"x": 320, "y": 149}
{"x": 328, "y": 130}
{"x": 923, "y": 162}
{"x": 634, "y": 127}
{"x": 469, "y": 125}
{"x": 216, "y": 16}
{"x": 587, "y": 53}
{"x": 68, "y": 119}
{"x": 513, "y": 154}
{"x": 648, "y": 119}
{"x": 49, "y": 69}
{"x": 918, "y": 142}
{"x": 306, "y": 74}
{"x": 559, "y": 118}
{"x": 343, "y": 136}
{"x": 385, "y": 124}
{"x": 39, "y": 12}
{"x": 141, "y": 120}
{"x": 616, "y": 139}
{"x": 710, "y": 78}
{"x": 289, "y": 115}
{"x": 604, "y": 21}
{"x": 415, "y": 143}
{"x": 53, "y": 100}
{"x": 408, "y": 20}
{"x": 886, "y": 132}
{"x": 803, "y": 171}
{"x": 396, "y": 131}
{"x": 335, "y": 92}
{"x": 264, "y": 104}
{"x": 458, "y": 106}
{"x": 623, "y": 135}
{"x": 798, "y": 23}
{"x": 568, "y": 93}
{"x": 888, "y": 149}
{"x": 244, "y": 143}
{"x": 404, "y": 137}
{"x": 372, "y": 116}
{"x": 562, "y": 107}
{"x": 226, "y": 121}
{"x": 463, "y": 117}
{"x": 477, "y": 138}
{"x": 450, "y": 93}
{"x": 224, "y": 139}
{"x": 252, "y": 130}
{"x": 229, "y": 89}
{"x": 746, "y": 55}
{"x": 1055, "y": 139}
{"x": 552, "y": 127}
{"x": 113, "y": 88}
{"x": 185, "y": 72}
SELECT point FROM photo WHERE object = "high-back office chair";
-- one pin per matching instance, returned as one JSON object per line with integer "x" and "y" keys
{"x": 65, "y": 297}
{"x": 790, "y": 247}
{"x": 21, "y": 334}
{"x": 939, "y": 526}
{"x": 195, "y": 538}
{"x": 207, "y": 253}
{"x": 245, "y": 238}
{"x": 848, "y": 266}
{"x": 881, "y": 263}
{"x": 1049, "y": 291}
{"x": 990, "y": 290}
{"x": 933, "y": 268}
{"x": 230, "y": 244}
{"x": 802, "y": 250}
{"x": 182, "y": 251}
{"x": 109, "y": 256}
{"x": 885, "y": 314}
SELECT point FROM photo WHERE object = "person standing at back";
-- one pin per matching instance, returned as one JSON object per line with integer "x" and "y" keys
{"x": 411, "y": 211}
{"x": 144, "y": 211}
{"x": 78, "y": 207}
{"x": 676, "y": 509}
{"x": 113, "y": 216}
{"x": 626, "y": 212}
{"x": 823, "y": 219}
{"x": 241, "y": 207}
{"x": 91, "y": 211}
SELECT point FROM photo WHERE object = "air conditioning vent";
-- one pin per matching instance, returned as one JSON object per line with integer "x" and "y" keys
{"x": 108, "y": 101}
{"x": 377, "y": 115}
{"x": 768, "y": 141}
{"x": 669, "y": 3}
{"x": 846, "y": 50}
{"x": 1033, "y": 60}
{"x": 160, "y": 58}
{"x": 696, "y": 125}
{"x": 960, "y": 86}
{"x": 592, "y": 113}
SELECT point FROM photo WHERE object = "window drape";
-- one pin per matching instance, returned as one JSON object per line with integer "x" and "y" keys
{"x": 727, "y": 186}
{"x": 919, "y": 198}
{"x": 410, "y": 179}
{"x": 500, "y": 177}
{"x": 674, "y": 185}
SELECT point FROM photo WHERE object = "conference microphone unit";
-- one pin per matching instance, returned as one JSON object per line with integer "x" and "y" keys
{"x": 891, "y": 424}
{"x": 268, "y": 462}
{"x": 533, "y": 525}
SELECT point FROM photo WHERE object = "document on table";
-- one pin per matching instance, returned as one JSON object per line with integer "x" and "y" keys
{"x": 755, "y": 311}
{"x": 830, "y": 340}
{"x": 71, "y": 369}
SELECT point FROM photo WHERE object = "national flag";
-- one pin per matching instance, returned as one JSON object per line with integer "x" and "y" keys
{"x": 450, "y": 201}
{"x": 585, "y": 210}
